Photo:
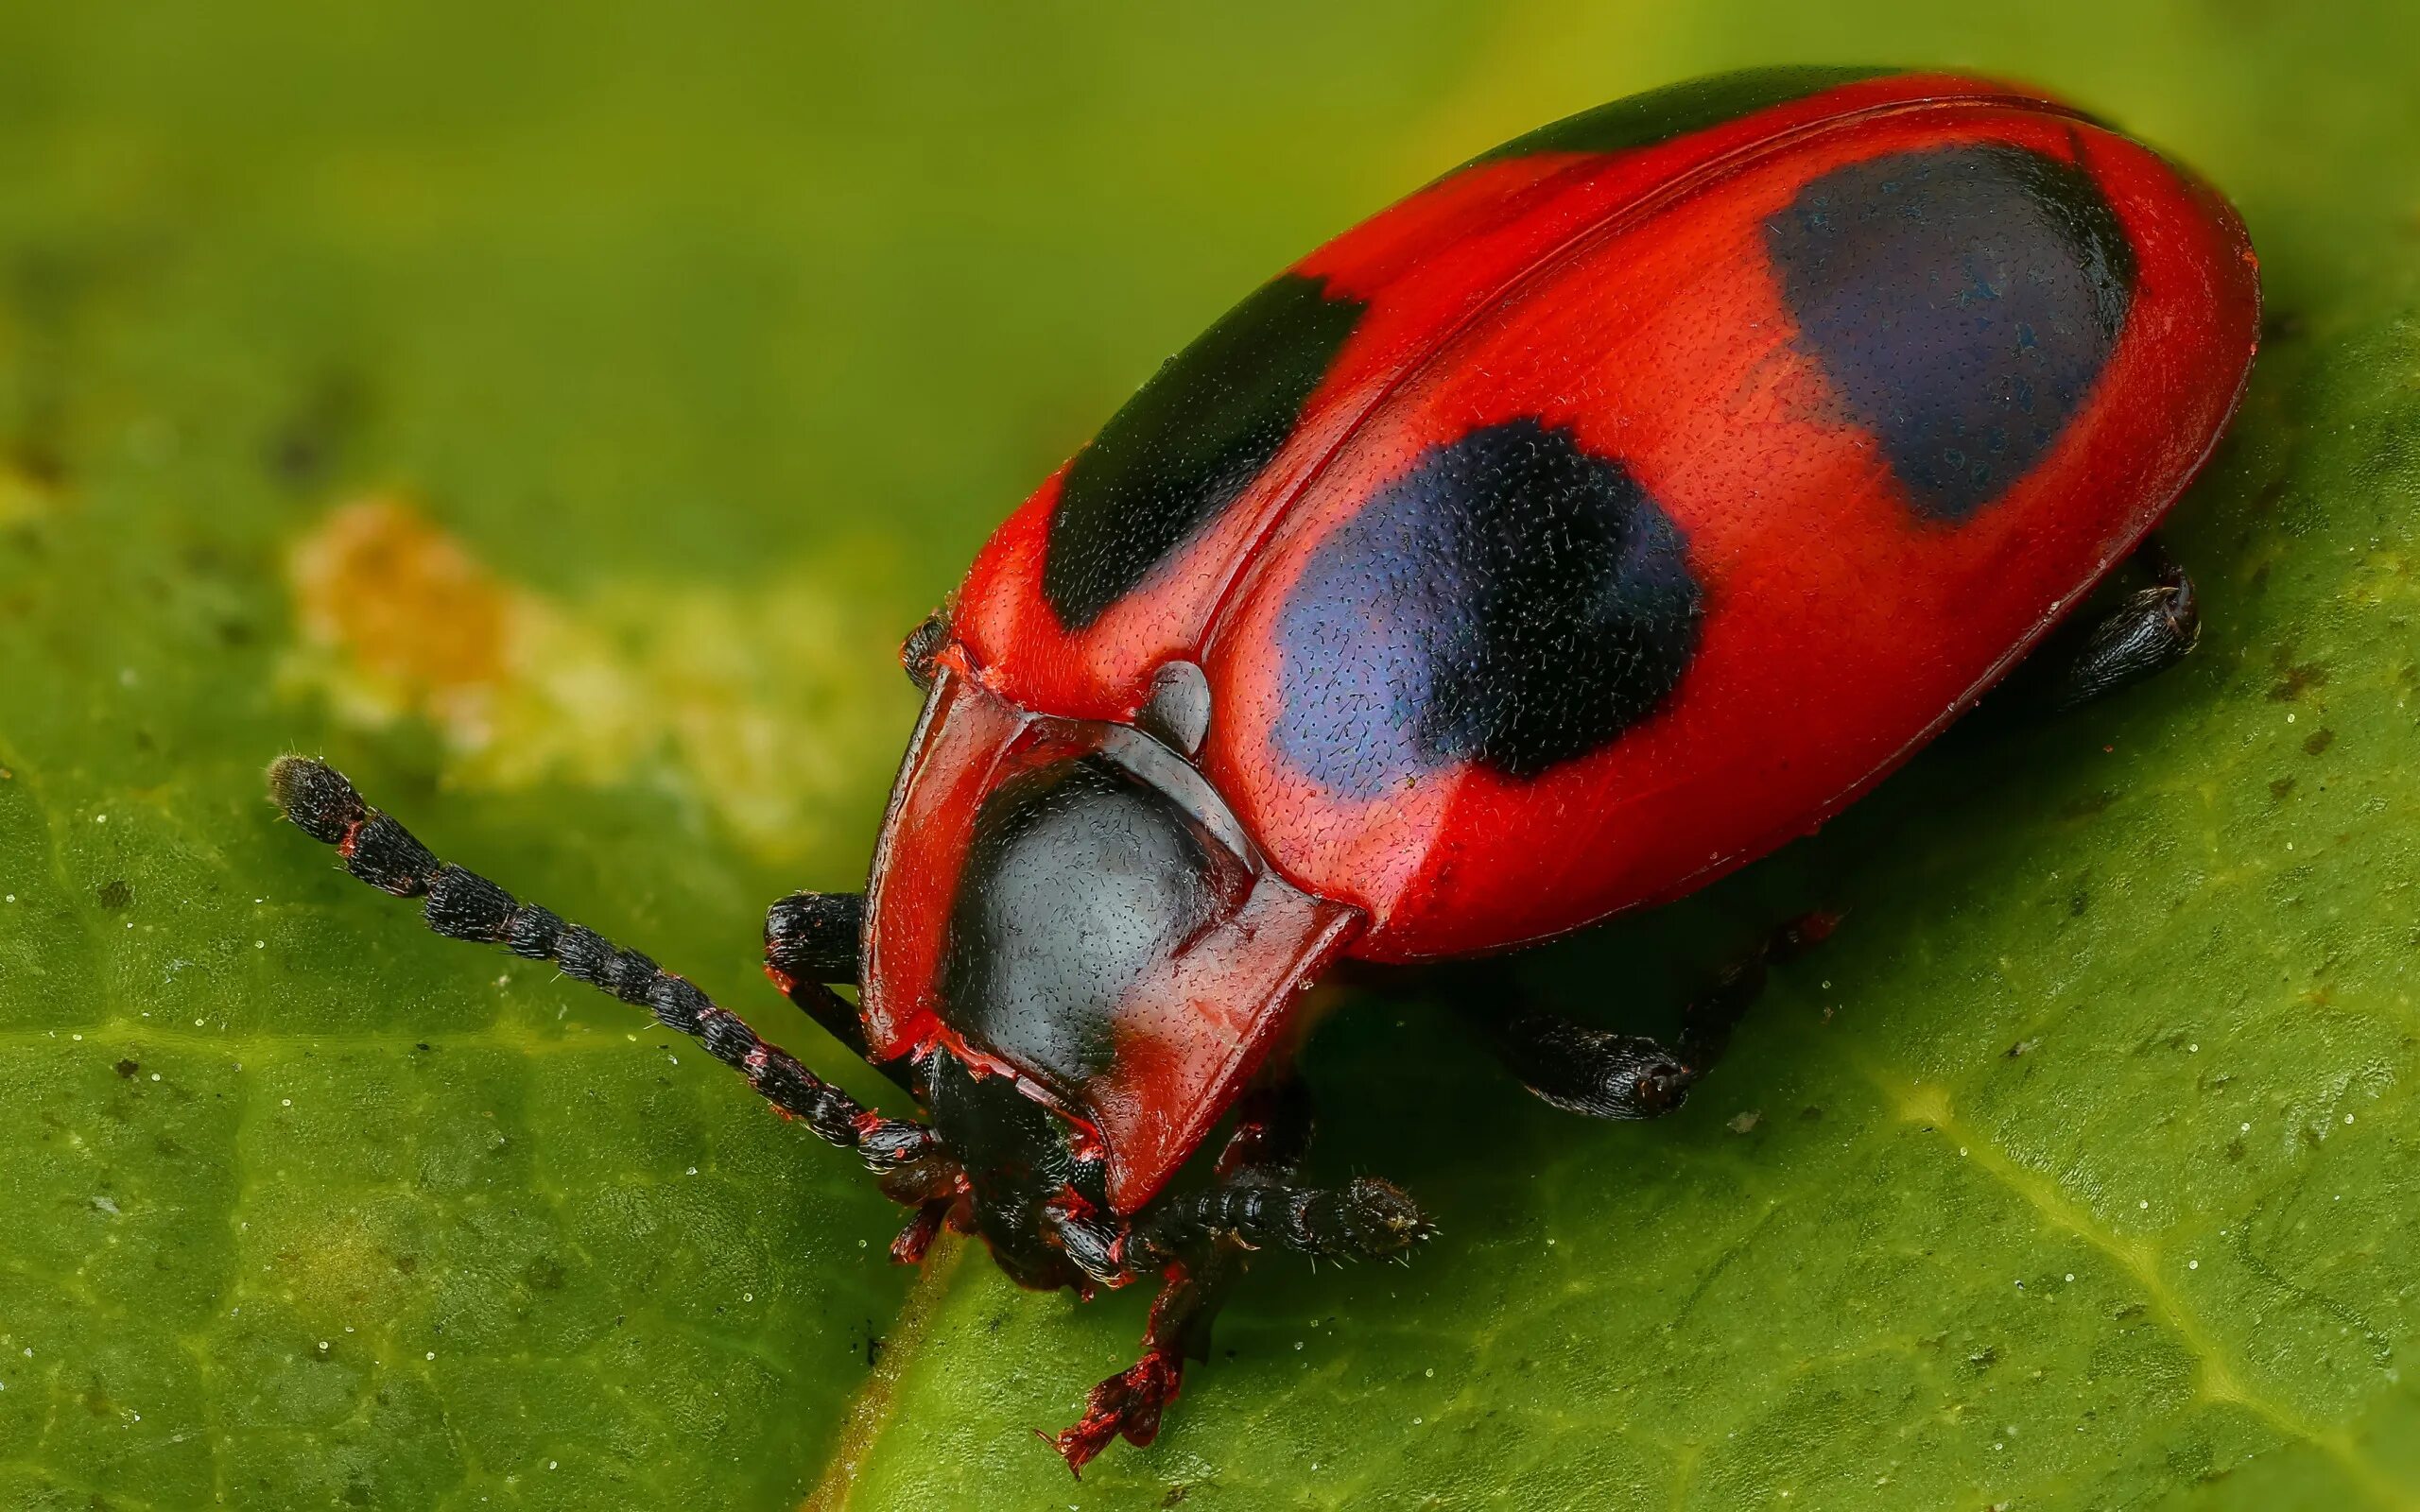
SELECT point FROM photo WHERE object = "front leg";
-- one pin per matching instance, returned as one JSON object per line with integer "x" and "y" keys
{"x": 1602, "y": 1075}
{"x": 814, "y": 937}
{"x": 811, "y": 940}
{"x": 1200, "y": 1243}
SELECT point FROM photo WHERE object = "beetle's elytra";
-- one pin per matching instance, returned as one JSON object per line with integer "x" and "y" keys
{"x": 1601, "y": 516}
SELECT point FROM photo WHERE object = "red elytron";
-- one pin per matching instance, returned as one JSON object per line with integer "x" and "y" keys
{"x": 1588, "y": 525}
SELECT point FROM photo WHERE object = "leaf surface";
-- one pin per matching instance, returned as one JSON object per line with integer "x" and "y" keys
{"x": 555, "y": 424}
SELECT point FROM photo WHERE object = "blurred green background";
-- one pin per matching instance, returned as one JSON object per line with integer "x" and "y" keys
{"x": 555, "y": 415}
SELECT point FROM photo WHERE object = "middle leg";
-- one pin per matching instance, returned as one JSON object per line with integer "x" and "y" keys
{"x": 1602, "y": 1075}
{"x": 1200, "y": 1243}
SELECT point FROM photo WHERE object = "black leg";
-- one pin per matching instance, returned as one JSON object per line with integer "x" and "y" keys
{"x": 463, "y": 905}
{"x": 1200, "y": 1243}
{"x": 2145, "y": 635}
{"x": 1602, "y": 1075}
{"x": 813, "y": 936}
{"x": 811, "y": 939}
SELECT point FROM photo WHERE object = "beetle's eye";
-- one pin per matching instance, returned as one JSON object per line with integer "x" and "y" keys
{"x": 916, "y": 652}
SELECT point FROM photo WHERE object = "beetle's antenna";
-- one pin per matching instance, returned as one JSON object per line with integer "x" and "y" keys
{"x": 463, "y": 905}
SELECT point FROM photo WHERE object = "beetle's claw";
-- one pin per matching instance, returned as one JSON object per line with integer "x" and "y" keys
{"x": 1381, "y": 1219}
{"x": 1126, "y": 1405}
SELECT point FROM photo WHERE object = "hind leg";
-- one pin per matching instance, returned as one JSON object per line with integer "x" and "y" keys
{"x": 1597, "y": 1073}
{"x": 2149, "y": 632}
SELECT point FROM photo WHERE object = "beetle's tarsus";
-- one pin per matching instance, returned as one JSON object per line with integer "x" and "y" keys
{"x": 1602, "y": 1075}
{"x": 1368, "y": 1219}
{"x": 811, "y": 941}
{"x": 2153, "y": 630}
{"x": 1126, "y": 1405}
{"x": 813, "y": 936}
{"x": 1273, "y": 1134}
{"x": 909, "y": 1249}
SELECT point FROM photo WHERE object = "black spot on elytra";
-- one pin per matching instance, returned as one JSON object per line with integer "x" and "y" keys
{"x": 1964, "y": 300}
{"x": 1511, "y": 600}
{"x": 1189, "y": 442}
{"x": 1080, "y": 879}
{"x": 1676, "y": 110}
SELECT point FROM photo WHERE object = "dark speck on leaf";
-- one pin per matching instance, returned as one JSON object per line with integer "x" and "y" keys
{"x": 40, "y": 460}
{"x": 118, "y": 896}
{"x": 2318, "y": 741}
{"x": 2280, "y": 787}
{"x": 126, "y": 1068}
{"x": 2289, "y": 687}
{"x": 303, "y": 451}
{"x": 2088, "y": 805}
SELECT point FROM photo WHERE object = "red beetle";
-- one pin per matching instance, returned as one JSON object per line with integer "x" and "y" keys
{"x": 1606, "y": 514}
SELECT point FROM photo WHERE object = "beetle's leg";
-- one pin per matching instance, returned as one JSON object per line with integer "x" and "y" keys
{"x": 1603, "y": 1074}
{"x": 1200, "y": 1243}
{"x": 1273, "y": 1134}
{"x": 463, "y": 905}
{"x": 811, "y": 939}
{"x": 2145, "y": 635}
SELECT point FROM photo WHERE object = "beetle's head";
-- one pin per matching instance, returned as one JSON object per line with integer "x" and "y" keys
{"x": 1089, "y": 953}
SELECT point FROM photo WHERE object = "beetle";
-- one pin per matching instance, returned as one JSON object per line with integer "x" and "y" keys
{"x": 1608, "y": 512}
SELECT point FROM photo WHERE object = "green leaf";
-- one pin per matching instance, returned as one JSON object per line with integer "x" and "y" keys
{"x": 557, "y": 423}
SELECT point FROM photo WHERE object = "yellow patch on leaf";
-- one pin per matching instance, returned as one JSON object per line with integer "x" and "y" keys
{"x": 22, "y": 496}
{"x": 775, "y": 706}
